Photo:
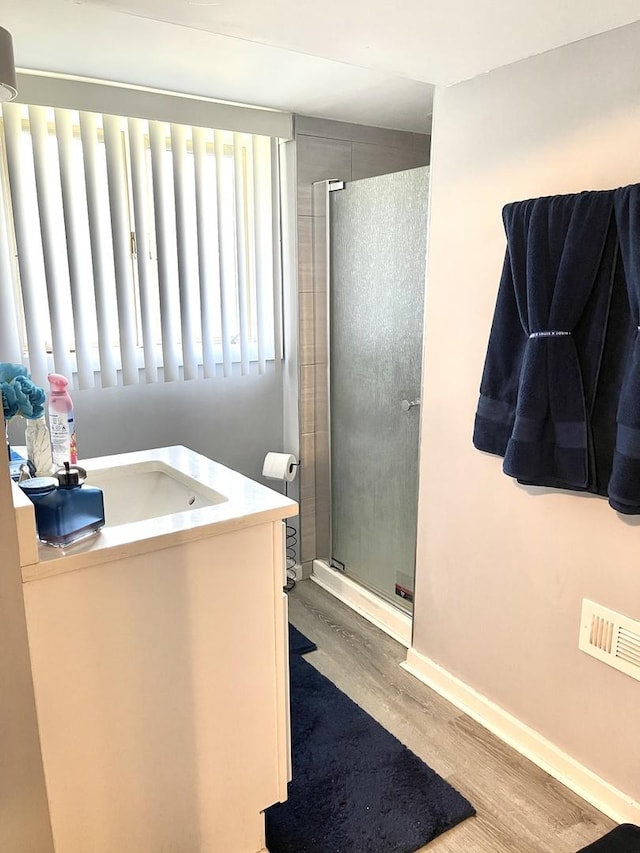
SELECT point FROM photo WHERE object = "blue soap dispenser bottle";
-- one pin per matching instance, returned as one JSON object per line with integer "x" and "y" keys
{"x": 66, "y": 512}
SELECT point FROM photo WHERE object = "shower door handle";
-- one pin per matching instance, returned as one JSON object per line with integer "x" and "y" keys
{"x": 405, "y": 405}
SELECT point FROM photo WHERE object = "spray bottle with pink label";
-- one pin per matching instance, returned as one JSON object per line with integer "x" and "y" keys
{"x": 61, "y": 422}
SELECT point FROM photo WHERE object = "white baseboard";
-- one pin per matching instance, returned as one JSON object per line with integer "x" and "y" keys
{"x": 550, "y": 758}
{"x": 303, "y": 570}
{"x": 383, "y": 615}
{"x": 300, "y": 571}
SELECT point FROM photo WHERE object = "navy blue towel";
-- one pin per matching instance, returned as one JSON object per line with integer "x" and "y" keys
{"x": 624, "y": 486}
{"x": 560, "y": 391}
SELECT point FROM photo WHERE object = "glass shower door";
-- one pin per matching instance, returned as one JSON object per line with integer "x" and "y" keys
{"x": 377, "y": 257}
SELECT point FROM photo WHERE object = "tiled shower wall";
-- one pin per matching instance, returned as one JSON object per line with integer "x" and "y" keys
{"x": 329, "y": 150}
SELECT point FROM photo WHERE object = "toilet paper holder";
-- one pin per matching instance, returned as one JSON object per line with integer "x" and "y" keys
{"x": 280, "y": 466}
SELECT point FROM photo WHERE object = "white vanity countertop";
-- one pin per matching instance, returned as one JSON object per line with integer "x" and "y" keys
{"x": 247, "y": 503}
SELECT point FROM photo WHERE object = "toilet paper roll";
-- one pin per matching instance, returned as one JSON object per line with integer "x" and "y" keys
{"x": 280, "y": 466}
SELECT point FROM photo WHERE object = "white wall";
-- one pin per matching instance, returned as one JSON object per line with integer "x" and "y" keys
{"x": 234, "y": 420}
{"x": 502, "y": 570}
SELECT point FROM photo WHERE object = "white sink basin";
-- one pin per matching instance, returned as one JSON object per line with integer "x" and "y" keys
{"x": 150, "y": 489}
{"x": 154, "y": 499}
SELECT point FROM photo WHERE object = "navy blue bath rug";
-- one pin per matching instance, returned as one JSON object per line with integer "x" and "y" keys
{"x": 623, "y": 839}
{"x": 355, "y": 788}
{"x": 298, "y": 643}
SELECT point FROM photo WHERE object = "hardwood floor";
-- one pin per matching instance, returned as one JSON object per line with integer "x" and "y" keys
{"x": 520, "y": 808}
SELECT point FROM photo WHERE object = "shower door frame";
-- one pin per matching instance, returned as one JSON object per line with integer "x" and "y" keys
{"x": 390, "y": 616}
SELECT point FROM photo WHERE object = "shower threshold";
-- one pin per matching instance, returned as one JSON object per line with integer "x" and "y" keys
{"x": 383, "y": 615}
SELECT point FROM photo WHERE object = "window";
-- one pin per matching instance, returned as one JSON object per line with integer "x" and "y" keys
{"x": 138, "y": 251}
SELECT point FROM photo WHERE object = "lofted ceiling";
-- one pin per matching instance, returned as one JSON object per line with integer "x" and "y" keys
{"x": 371, "y": 62}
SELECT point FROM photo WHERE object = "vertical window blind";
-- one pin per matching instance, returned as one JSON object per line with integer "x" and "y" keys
{"x": 136, "y": 251}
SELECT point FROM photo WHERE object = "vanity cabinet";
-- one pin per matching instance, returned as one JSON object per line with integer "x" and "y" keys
{"x": 161, "y": 685}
